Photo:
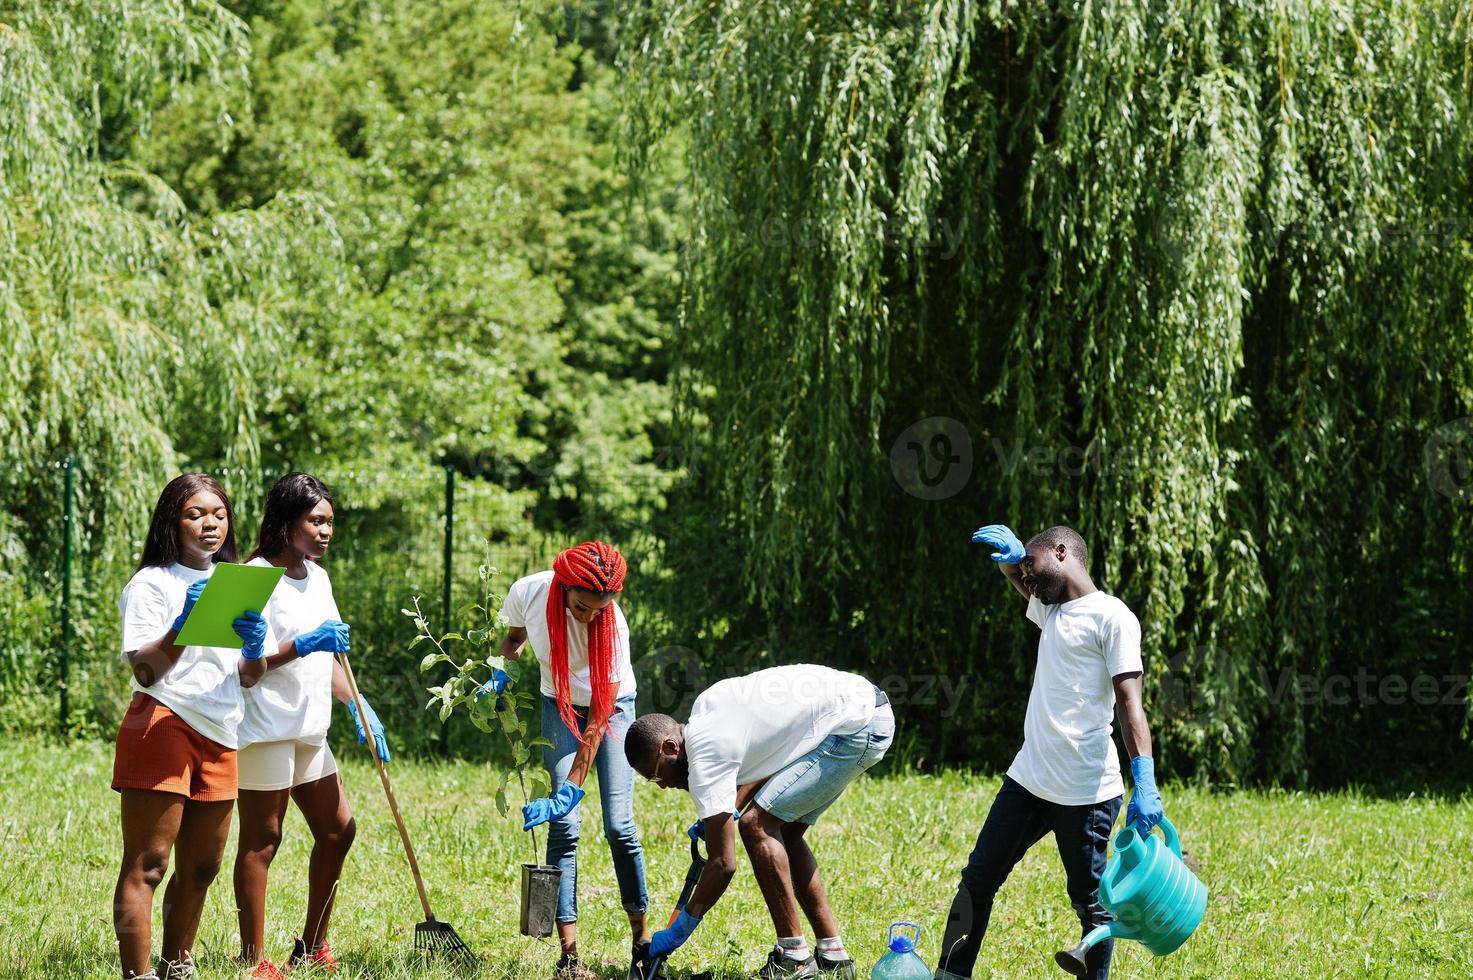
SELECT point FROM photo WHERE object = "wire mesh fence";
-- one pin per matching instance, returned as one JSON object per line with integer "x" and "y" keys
{"x": 422, "y": 533}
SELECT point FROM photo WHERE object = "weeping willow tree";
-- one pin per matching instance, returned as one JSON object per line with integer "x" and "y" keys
{"x": 1193, "y": 278}
{"x": 129, "y": 334}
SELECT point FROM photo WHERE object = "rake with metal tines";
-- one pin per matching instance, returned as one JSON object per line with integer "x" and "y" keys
{"x": 431, "y": 937}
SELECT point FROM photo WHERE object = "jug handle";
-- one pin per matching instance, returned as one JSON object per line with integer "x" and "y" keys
{"x": 896, "y": 925}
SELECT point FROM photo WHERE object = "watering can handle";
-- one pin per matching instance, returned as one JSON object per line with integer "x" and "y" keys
{"x": 1169, "y": 832}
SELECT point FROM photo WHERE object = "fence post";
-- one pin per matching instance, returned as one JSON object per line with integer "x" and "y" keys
{"x": 449, "y": 568}
{"x": 68, "y": 513}
{"x": 449, "y": 538}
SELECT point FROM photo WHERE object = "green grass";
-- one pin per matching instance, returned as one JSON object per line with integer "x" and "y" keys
{"x": 1302, "y": 885}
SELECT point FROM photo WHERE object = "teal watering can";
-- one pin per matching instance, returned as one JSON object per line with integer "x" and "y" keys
{"x": 1155, "y": 898}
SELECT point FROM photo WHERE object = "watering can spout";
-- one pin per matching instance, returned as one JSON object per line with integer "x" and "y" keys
{"x": 1072, "y": 960}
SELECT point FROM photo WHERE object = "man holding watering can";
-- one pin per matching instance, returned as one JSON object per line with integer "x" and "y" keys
{"x": 1066, "y": 778}
{"x": 790, "y": 740}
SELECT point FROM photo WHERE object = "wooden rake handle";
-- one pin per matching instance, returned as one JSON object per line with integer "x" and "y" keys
{"x": 419, "y": 883}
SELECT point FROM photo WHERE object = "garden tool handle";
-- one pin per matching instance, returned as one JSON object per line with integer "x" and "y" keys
{"x": 419, "y": 884}
{"x": 692, "y": 875}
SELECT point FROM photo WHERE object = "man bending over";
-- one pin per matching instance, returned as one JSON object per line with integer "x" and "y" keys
{"x": 789, "y": 740}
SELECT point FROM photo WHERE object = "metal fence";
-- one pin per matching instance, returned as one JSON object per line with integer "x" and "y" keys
{"x": 399, "y": 535}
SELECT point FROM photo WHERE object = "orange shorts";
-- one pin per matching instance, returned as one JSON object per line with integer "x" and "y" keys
{"x": 157, "y": 750}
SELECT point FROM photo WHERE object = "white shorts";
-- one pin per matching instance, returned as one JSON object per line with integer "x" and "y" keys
{"x": 285, "y": 764}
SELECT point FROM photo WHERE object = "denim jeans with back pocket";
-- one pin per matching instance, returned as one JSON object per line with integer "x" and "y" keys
{"x": 801, "y": 791}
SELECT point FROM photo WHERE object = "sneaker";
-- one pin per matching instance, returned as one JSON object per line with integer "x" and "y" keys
{"x": 181, "y": 970}
{"x": 568, "y": 968}
{"x": 266, "y": 970}
{"x": 319, "y": 959}
{"x": 782, "y": 967}
{"x": 842, "y": 969}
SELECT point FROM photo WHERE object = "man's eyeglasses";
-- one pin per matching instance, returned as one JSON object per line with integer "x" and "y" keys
{"x": 654, "y": 774}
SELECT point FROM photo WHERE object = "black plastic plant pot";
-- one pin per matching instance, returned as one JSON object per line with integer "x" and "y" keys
{"x": 539, "y": 899}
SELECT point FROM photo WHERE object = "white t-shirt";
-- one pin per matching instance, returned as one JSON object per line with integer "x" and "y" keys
{"x": 744, "y": 729}
{"x": 1068, "y": 756}
{"x": 293, "y": 701}
{"x": 526, "y": 607}
{"x": 203, "y": 686}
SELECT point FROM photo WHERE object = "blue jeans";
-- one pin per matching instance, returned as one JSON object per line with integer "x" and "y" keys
{"x": 1016, "y": 822}
{"x": 802, "y": 790}
{"x": 615, "y": 793}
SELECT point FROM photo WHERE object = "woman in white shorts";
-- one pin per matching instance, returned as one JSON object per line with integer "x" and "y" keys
{"x": 284, "y": 753}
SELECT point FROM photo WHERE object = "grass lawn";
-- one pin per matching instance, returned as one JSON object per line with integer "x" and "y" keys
{"x": 1301, "y": 885}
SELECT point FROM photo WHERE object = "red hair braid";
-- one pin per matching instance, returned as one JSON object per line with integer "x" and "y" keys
{"x": 599, "y": 568}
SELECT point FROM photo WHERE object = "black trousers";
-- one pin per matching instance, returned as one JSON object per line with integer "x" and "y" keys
{"x": 1016, "y": 822}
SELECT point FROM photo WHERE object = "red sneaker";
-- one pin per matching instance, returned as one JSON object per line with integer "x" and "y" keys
{"x": 319, "y": 959}
{"x": 266, "y": 970}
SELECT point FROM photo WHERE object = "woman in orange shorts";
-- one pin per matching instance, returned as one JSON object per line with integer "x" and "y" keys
{"x": 174, "y": 764}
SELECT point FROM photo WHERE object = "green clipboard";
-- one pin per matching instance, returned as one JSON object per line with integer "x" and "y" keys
{"x": 231, "y": 590}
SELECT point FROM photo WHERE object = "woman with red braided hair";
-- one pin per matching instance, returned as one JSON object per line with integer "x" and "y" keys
{"x": 578, "y": 633}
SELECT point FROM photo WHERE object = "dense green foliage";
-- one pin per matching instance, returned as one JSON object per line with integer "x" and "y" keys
{"x": 365, "y": 239}
{"x": 1191, "y": 277}
{"x": 128, "y": 323}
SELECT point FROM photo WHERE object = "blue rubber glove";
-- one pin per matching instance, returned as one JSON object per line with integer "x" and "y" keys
{"x": 191, "y": 596}
{"x": 1009, "y": 550}
{"x": 1144, "y": 811}
{"x": 374, "y": 725}
{"x": 667, "y": 941}
{"x": 496, "y": 685}
{"x": 697, "y": 830}
{"x": 554, "y": 807}
{"x": 251, "y": 629}
{"x": 332, "y": 636}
